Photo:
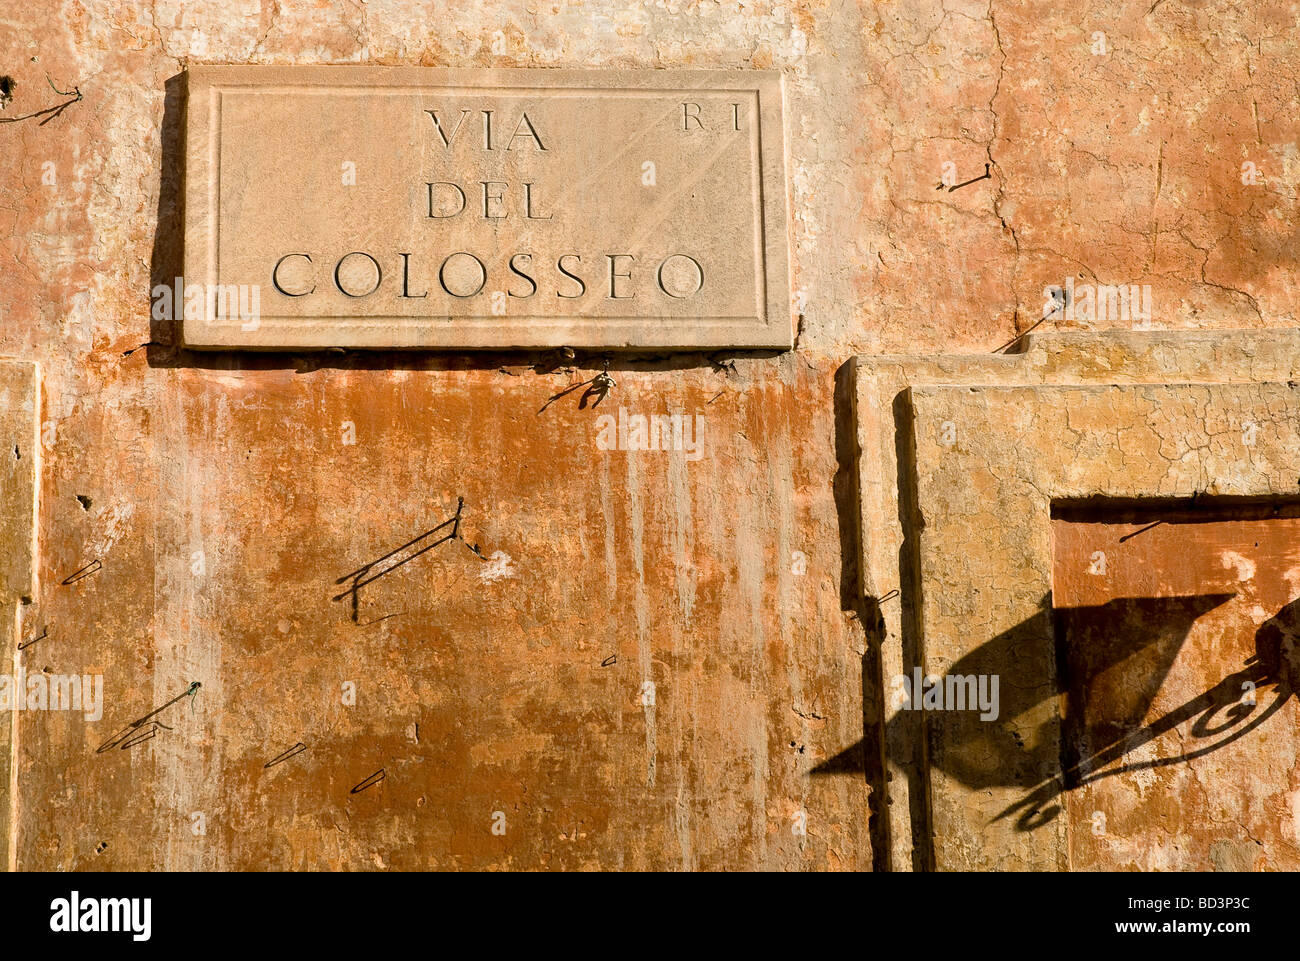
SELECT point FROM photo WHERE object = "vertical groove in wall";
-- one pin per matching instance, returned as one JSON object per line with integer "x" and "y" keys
{"x": 11, "y": 835}
{"x": 909, "y": 516}
{"x": 849, "y": 428}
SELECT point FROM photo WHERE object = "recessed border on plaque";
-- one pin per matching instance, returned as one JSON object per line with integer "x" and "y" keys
{"x": 769, "y": 326}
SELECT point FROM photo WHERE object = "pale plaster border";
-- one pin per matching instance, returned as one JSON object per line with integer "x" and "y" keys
{"x": 20, "y": 452}
{"x": 887, "y": 482}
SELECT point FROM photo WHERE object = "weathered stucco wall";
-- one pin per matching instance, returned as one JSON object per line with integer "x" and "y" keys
{"x": 223, "y": 499}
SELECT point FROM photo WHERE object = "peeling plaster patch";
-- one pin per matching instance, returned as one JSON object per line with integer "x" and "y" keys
{"x": 802, "y": 180}
{"x": 644, "y": 656}
{"x": 1245, "y": 567}
{"x": 116, "y": 521}
{"x": 682, "y": 824}
{"x": 79, "y": 328}
{"x": 611, "y": 555}
{"x": 499, "y": 567}
{"x": 1292, "y": 577}
{"x": 683, "y": 533}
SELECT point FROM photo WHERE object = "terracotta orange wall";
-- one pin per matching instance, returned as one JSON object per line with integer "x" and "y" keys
{"x": 482, "y": 694}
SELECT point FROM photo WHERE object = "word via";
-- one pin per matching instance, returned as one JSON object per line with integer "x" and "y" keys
{"x": 1127, "y": 302}
{"x": 132, "y": 915}
{"x": 655, "y": 432}
{"x": 952, "y": 692}
{"x": 53, "y": 692}
{"x": 447, "y": 130}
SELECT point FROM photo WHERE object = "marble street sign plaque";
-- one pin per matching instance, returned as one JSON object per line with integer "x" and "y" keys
{"x": 419, "y": 207}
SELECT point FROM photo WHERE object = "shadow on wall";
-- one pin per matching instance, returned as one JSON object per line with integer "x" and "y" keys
{"x": 867, "y": 757}
{"x": 1101, "y": 724}
{"x": 1092, "y": 740}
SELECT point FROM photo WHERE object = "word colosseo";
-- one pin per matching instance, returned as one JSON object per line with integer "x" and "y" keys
{"x": 463, "y": 274}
